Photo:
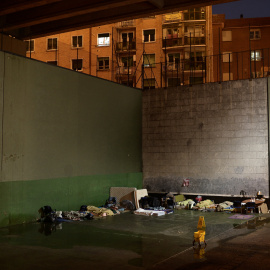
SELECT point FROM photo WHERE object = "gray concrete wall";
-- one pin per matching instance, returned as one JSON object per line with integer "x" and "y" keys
{"x": 65, "y": 138}
{"x": 215, "y": 135}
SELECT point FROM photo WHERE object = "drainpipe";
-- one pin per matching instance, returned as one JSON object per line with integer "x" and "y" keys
{"x": 90, "y": 50}
{"x": 250, "y": 68}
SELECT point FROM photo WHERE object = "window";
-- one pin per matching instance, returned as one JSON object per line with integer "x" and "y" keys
{"x": 149, "y": 35}
{"x": 52, "y": 44}
{"x": 77, "y": 64}
{"x": 255, "y": 55}
{"x": 227, "y": 76}
{"x": 149, "y": 60}
{"x": 30, "y": 45}
{"x": 227, "y": 57}
{"x": 52, "y": 63}
{"x": 194, "y": 14}
{"x": 226, "y": 35}
{"x": 174, "y": 61}
{"x": 255, "y": 34}
{"x": 77, "y": 42}
{"x": 149, "y": 84}
{"x": 127, "y": 61}
{"x": 127, "y": 37}
{"x": 104, "y": 39}
{"x": 103, "y": 63}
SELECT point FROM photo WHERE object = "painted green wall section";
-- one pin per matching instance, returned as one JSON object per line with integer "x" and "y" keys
{"x": 80, "y": 133}
{"x": 20, "y": 200}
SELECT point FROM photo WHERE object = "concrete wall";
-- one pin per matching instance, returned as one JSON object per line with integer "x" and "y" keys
{"x": 12, "y": 45}
{"x": 66, "y": 138}
{"x": 216, "y": 135}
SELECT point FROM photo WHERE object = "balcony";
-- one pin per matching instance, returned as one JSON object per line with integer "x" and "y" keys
{"x": 194, "y": 40}
{"x": 172, "y": 17}
{"x": 121, "y": 71}
{"x": 184, "y": 65}
{"x": 126, "y": 24}
{"x": 172, "y": 42}
{"x": 126, "y": 46}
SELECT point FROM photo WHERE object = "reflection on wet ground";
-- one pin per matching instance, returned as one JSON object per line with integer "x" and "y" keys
{"x": 124, "y": 241}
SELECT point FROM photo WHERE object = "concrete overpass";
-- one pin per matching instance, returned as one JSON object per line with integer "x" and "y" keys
{"x": 25, "y": 19}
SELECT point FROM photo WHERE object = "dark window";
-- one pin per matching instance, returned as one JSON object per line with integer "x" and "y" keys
{"x": 149, "y": 35}
{"x": 52, "y": 44}
{"x": 77, "y": 64}
{"x": 255, "y": 34}
{"x": 103, "y": 63}
{"x": 30, "y": 45}
{"x": 77, "y": 41}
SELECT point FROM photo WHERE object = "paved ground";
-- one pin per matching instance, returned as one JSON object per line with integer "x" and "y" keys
{"x": 137, "y": 242}
{"x": 245, "y": 247}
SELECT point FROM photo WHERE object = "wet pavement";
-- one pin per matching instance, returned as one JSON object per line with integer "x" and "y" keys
{"x": 129, "y": 241}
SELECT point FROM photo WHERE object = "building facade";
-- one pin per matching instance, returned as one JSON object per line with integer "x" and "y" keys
{"x": 157, "y": 51}
{"x": 241, "y": 48}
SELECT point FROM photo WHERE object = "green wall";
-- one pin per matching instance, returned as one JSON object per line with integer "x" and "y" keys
{"x": 66, "y": 138}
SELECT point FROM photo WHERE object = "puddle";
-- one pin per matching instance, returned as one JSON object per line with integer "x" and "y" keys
{"x": 136, "y": 241}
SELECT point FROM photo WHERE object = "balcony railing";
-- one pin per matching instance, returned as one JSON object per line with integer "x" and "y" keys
{"x": 129, "y": 23}
{"x": 125, "y": 70}
{"x": 172, "y": 42}
{"x": 184, "y": 65}
{"x": 126, "y": 46}
{"x": 172, "y": 17}
{"x": 176, "y": 42}
{"x": 194, "y": 40}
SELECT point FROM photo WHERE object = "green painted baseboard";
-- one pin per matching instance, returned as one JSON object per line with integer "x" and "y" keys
{"x": 20, "y": 200}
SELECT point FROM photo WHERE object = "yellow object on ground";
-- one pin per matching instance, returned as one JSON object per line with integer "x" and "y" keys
{"x": 100, "y": 211}
{"x": 199, "y": 236}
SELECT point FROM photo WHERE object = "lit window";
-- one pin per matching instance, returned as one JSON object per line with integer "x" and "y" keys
{"x": 149, "y": 35}
{"x": 227, "y": 57}
{"x": 77, "y": 64}
{"x": 227, "y": 76}
{"x": 226, "y": 35}
{"x": 194, "y": 14}
{"x": 103, "y": 63}
{"x": 77, "y": 41}
{"x": 255, "y": 55}
{"x": 30, "y": 45}
{"x": 104, "y": 39}
{"x": 52, "y": 44}
{"x": 255, "y": 34}
{"x": 149, "y": 60}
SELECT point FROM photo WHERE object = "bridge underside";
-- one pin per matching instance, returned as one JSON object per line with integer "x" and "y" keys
{"x": 25, "y": 19}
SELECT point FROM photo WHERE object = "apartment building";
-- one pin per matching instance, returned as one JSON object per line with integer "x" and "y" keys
{"x": 241, "y": 48}
{"x": 157, "y": 51}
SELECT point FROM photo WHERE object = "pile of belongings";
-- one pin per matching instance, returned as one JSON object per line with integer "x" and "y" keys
{"x": 206, "y": 205}
{"x": 226, "y": 206}
{"x": 48, "y": 215}
{"x": 152, "y": 206}
{"x": 161, "y": 211}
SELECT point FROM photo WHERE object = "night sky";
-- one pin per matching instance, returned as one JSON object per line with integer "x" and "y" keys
{"x": 249, "y": 9}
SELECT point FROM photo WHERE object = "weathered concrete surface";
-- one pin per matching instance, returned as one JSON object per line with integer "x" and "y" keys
{"x": 216, "y": 135}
